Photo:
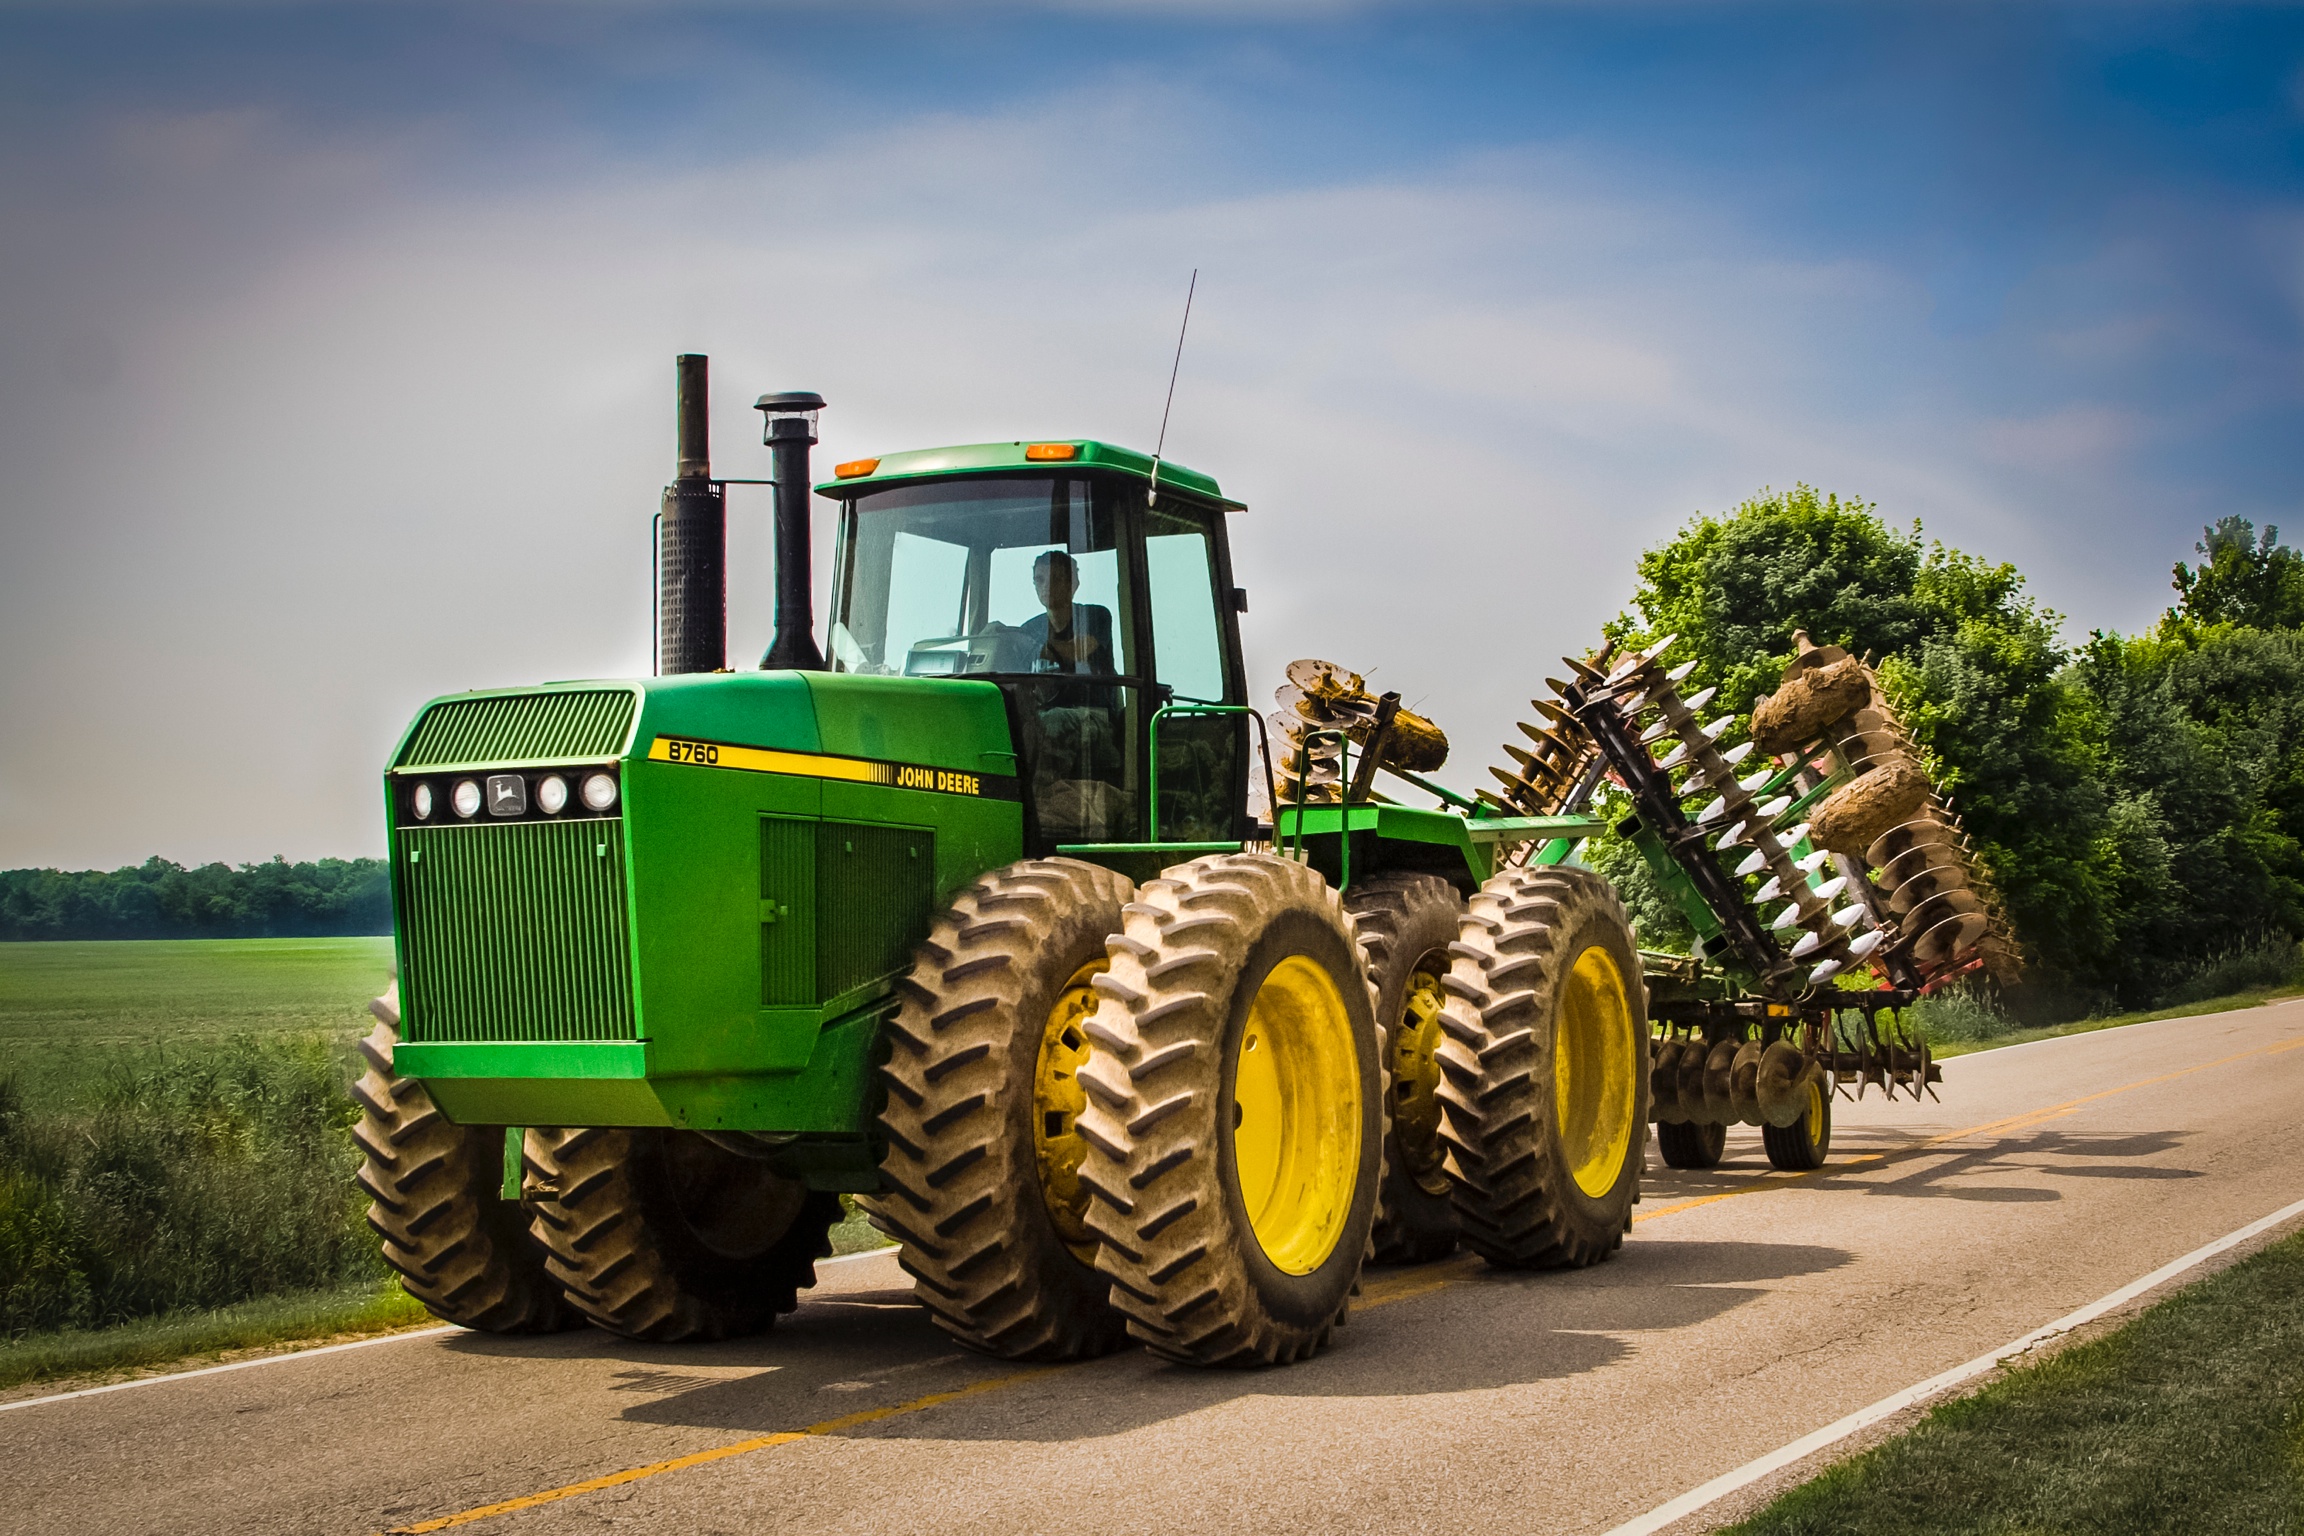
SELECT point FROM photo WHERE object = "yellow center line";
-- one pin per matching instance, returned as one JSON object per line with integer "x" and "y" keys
{"x": 1383, "y": 1293}
{"x": 722, "y": 1452}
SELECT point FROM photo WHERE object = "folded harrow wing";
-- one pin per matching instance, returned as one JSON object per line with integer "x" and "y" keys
{"x": 1804, "y": 845}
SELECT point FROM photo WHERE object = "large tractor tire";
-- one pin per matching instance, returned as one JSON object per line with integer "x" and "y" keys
{"x": 1235, "y": 1122}
{"x": 1802, "y": 1146}
{"x": 1406, "y": 924}
{"x": 663, "y": 1235}
{"x": 437, "y": 1191}
{"x": 1544, "y": 1095}
{"x": 983, "y": 1109}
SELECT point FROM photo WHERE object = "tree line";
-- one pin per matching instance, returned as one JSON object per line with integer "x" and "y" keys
{"x": 2137, "y": 799}
{"x": 162, "y": 900}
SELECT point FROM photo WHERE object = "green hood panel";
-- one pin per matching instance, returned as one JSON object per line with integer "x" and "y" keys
{"x": 928, "y": 722}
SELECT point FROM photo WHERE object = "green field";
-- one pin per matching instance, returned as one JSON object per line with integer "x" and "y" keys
{"x": 176, "y": 1156}
{"x": 68, "y": 1010}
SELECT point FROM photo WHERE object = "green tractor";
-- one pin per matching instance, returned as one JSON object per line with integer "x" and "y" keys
{"x": 971, "y": 919}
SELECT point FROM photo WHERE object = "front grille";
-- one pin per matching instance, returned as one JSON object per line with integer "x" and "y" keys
{"x": 841, "y": 903}
{"x": 526, "y": 727}
{"x": 515, "y": 931}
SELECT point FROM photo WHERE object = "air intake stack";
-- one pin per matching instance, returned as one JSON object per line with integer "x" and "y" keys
{"x": 692, "y": 540}
{"x": 790, "y": 431}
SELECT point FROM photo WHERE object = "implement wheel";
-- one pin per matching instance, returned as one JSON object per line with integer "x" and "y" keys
{"x": 982, "y": 1119}
{"x": 1406, "y": 924}
{"x": 1235, "y": 1113}
{"x": 1690, "y": 1145}
{"x": 460, "y": 1247}
{"x": 1545, "y": 1088}
{"x": 1802, "y": 1146}
{"x": 663, "y": 1235}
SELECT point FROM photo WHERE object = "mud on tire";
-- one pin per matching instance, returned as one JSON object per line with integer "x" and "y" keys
{"x": 981, "y": 1121}
{"x": 1546, "y": 985}
{"x": 662, "y": 1235}
{"x": 460, "y": 1248}
{"x": 1234, "y": 1194}
{"x": 1407, "y": 923}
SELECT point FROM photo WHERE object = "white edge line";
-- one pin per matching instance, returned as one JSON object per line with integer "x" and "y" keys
{"x": 305, "y": 1354}
{"x": 850, "y": 1258}
{"x": 236, "y": 1365}
{"x": 1752, "y": 1471}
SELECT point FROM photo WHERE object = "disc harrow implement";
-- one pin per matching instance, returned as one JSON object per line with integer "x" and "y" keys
{"x": 1808, "y": 847}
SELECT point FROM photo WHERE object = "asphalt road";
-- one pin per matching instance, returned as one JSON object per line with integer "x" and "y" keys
{"x": 1747, "y": 1309}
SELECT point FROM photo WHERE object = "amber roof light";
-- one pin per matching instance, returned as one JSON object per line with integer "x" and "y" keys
{"x": 1051, "y": 451}
{"x": 854, "y": 467}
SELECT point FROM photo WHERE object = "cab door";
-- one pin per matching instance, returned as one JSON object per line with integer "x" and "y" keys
{"x": 1194, "y": 643}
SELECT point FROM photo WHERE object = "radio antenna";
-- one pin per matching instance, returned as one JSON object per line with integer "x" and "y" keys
{"x": 1153, "y": 491}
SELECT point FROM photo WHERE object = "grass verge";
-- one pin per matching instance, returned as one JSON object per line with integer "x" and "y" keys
{"x": 188, "y": 1337}
{"x": 2253, "y": 998}
{"x": 2186, "y": 1420}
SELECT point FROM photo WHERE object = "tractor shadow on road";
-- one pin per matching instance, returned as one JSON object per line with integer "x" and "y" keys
{"x": 1993, "y": 1169}
{"x": 1444, "y": 1328}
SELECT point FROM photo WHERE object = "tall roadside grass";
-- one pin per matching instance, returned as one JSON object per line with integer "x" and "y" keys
{"x": 181, "y": 1177}
{"x": 2270, "y": 961}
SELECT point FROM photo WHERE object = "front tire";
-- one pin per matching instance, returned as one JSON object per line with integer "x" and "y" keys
{"x": 662, "y": 1235}
{"x": 1546, "y": 1089}
{"x": 1235, "y": 1113}
{"x": 982, "y": 1118}
{"x": 437, "y": 1190}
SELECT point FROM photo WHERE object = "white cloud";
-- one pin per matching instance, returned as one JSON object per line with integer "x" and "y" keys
{"x": 364, "y": 439}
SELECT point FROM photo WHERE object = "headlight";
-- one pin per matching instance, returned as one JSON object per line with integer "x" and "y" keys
{"x": 467, "y": 797}
{"x": 421, "y": 802}
{"x": 552, "y": 795}
{"x": 600, "y": 792}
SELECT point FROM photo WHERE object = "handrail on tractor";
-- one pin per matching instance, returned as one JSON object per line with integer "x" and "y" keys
{"x": 1300, "y": 805}
{"x": 1193, "y": 707}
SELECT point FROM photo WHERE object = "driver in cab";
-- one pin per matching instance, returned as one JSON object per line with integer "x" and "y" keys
{"x": 1072, "y": 637}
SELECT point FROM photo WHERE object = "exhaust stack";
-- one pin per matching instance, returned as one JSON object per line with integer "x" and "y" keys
{"x": 692, "y": 540}
{"x": 790, "y": 431}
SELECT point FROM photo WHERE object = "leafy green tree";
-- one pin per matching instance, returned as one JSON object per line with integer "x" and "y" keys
{"x": 2243, "y": 578}
{"x": 1972, "y": 662}
{"x": 159, "y": 899}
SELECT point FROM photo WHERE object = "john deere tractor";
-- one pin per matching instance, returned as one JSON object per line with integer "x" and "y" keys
{"x": 971, "y": 919}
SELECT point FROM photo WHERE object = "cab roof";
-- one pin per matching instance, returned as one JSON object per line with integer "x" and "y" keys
{"x": 1033, "y": 455}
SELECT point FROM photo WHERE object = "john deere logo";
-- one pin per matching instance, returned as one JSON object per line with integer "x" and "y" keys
{"x": 507, "y": 795}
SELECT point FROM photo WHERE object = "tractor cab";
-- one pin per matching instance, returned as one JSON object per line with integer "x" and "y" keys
{"x": 1095, "y": 589}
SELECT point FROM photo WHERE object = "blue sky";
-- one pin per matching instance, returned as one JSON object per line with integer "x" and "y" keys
{"x": 335, "y": 341}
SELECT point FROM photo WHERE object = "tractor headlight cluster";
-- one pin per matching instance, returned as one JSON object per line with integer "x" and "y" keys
{"x": 534, "y": 794}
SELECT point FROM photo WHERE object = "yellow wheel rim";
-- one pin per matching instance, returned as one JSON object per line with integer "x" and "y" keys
{"x": 1057, "y": 1100}
{"x": 1296, "y": 1115}
{"x": 1815, "y": 1114}
{"x": 1416, "y": 1082}
{"x": 1592, "y": 1072}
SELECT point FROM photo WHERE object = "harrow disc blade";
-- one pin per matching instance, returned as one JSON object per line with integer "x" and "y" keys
{"x": 1914, "y": 833}
{"x": 1932, "y": 880}
{"x": 1948, "y": 938}
{"x": 1935, "y": 909}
